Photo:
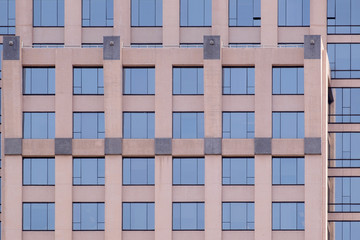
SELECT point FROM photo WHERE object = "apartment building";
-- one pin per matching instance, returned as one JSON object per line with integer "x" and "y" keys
{"x": 180, "y": 119}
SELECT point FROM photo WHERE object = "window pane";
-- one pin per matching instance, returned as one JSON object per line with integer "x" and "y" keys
{"x": 7, "y": 18}
{"x": 188, "y": 216}
{"x": 238, "y": 80}
{"x": 39, "y": 80}
{"x": 288, "y": 170}
{"x": 288, "y": 125}
{"x": 97, "y": 13}
{"x": 238, "y": 216}
{"x": 188, "y": 171}
{"x": 139, "y": 125}
{"x": 288, "y": 216}
{"x": 138, "y": 216}
{"x": 294, "y": 12}
{"x": 48, "y": 13}
{"x": 238, "y": 125}
{"x": 288, "y": 80}
{"x": 39, "y": 125}
{"x": 88, "y": 216}
{"x": 195, "y": 13}
{"x": 188, "y": 125}
{"x": 244, "y": 13}
{"x": 88, "y": 81}
{"x": 188, "y": 80}
{"x": 146, "y": 13}
{"x": 38, "y": 171}
{"x": 88, "y": 171}
{"x": 88, "y": 125}
{"x": 38, "y": 216}
{"x": 139, "y": 80}
{"x": 138, "y": 171}
{"x": 238, "y": 171}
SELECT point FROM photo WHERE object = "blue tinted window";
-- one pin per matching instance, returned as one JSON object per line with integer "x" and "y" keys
{"x": 146, "y": 13}
{"x": 238, "y": 80}
{"x": 188, "y": 80}
{"x": 7, "y": 17}
{"x": 294, "y": 13}
{"x": 188, "y": 125}
{"x": 238, "y": 216}
{"x": 188, "y": 216}
{"x": 39, "y": 125}
{"x": 88, "y": 216}
{"x": 89, "y": 125}
{"x": 244, "y": 13}
{"x": 88, "y": 171}
{"x": 345, "y": 151}
{"x": 191, "y": 45}
{"x": 138, "y": 171}
{"x": 244, "y": 45}
{"x": 38, "y": 216}
{"x": 238, "y": 171}
{"x": 139, "y": 125}
{"x": 48, "y": 45}
{"x": 146, "y": 45}
{"x": 139, "y": 80}
{"x": 288, "y": 124}
{"x": 347, "y": 106}
{"x": 48, "y": 13}
{"x": 288, "y": 170}
{"x": 343, "y": 17}
{"x": 345, "y": 194}
{"x": 97, "y": 13}
{"x": 288, "y": 80}
{"x": 344, "y": 230}
{"x": 344, "y": 60}
{"x": 288, "y": 216}
{"x": 39, "y": 171}
{"x": 195, "y": 13}
{"x": 188, "y": 171}
{"x": 138, "y": 216}
{"x": 88, "y": 81}
{"x": 39, "y": 80}
{"x": 238, "y": 125}
{"x": 92, "y": 45}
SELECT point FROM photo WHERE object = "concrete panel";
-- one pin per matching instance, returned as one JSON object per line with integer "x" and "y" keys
{"x": 212, "y": 146}
{"x": 163, "y": 146}
{"x": 263, "y": 146}
{"x": 111, "y": 49}
{"x": 238, "y": 147}
{"x": 113, "y": 146}
{"x": 312, "y": 146}
{"x": 138, "y": 193}
{"x": 188, "y": 147}
{"x": 138, "y": 235}
{"x": 88, "y": 193}
{"x": 193, "y": 34}
{"x": 288, "y": 193}
{"x": 38, "y": 235}
{"x": 233, "y": 193}
{"x": 287, "y": 147}
{"x": 312, "y": 47}
{"x": 11, "y": 48}
{"x": 146, "y": 35}
{"x": 88, "y": 235}
{"x": 230, "y": 235}
{"x": 63, "y": 146}
{"x": 193, "y": 235}
{"x": 138, "y": 147}
{"x": 188, "y": 194}
{"x": 212, "y": 47}
{"x": 88, "y": 147}
{"x": 286, "y": 235}
{"x": 38, "y": 194}
{"x": 48, "y": 35}
{"x": 38, "y": 147}
{"x": 13, "y": 146}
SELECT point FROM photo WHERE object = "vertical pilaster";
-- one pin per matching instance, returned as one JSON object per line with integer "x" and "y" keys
{"x": 171, "y": 22}
{"x": 220, "y": 15}
{"x": 122, "y": 20}
{"x": 72, "y": 22}
{"x": 263, "y": 135}
{"x": 269, "y": 22}
{"x": 24, "y": 22}
{"x": 318, "y": 18}
{"x": 12, "y": 133}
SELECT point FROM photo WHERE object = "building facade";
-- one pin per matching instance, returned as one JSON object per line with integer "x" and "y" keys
{"x": 180, "y": 119}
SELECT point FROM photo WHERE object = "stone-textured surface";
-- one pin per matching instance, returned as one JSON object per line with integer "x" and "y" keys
{"x": 312, "y": 146}
{"x": 13, "y": 146}
{"x": 63, "y": 146}
{"x": 11, "y": 48}
{"x": 263, "y": 146}
{"x": 212, "y": 47}
{"x": 212, "y": 146}
{"x": 113, "y": 146}
{"x": 111, "y": 51}
{"x": 163, "y": 146}
{"x": 312, "y": 47}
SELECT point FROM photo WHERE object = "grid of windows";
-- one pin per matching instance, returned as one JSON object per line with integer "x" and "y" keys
{"x": 48, "y": 13}
{"x": 39, "y": 171}
{"x": 188, "y": 80}
{"x": 97, "y": 13}
{"x": 238, "y": 80}
{"x": 293, "y": 13}
{"x": 88, "y": 125}
{"x": 38, "y": 81}
{"x": 238, "y": 171}
{"x": 38, "y": 216}
{"x": 288, "y": 216}
{"x": 345, "y": 194}
{"x": 88, "y": 81}
{"x": 88, "y": 216}
{"x": 188, "y": 216}
{"x": 347, "y": 106}
{"x": 287, "y": 171}
{"x": 344, "y": 59}
{"x": 138, "y": 216}
{"x": 7, "y": 17}
{"x": 344, "y": 151}
{"x": 244, "y": 13}
{"x": 288, "y": 80}
{"x": 188, "y": 171}
{"x": 238, "y": 216}
{"x": 195, "y": 13}
{"x": 188, "y": 125}
{"x": 138, "y": 171}
{"x": 238, "y": 125}
{"x": 139, "y": 125}
{"x": 139, "y": 81}
{"x": 146, "y": 13}
{"x": 88, "y": 171}
{"x": 288, "y": 124}
{"x": 39, "y": 125}
{"x": 343, "y": 17}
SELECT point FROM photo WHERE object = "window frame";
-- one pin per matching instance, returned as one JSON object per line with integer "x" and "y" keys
{"x": 155, "y": 16}
{"x": 187, "y": 14}
{"x": 130, "y": 132}
{"x": 73, "y": 122}
{"x": 280, "y": 176}
{"x": 332, "y": 134}
{"x": 30, "y": 173}
{"x": 297, "y": 131}
{"x": 37, "y": 203}
{"x": 106, "y": 19}
{"x": 61, "y": 25}
{"x": 9, "y": 28}
{"x": 247, "y": 80}
{"x": 197, "y": 174}
{"x": 280, "y": 80}
{"x": 343, "y": 204}
{"x": 97, "y": 214}
{"x": 297, "y": 213}
{"x": 48, "y": 80}
{"x": 199, "y": 68}
{"x": 98, "y": 87}
{"x": 237, "y": 229}
{"x": 285, "y": 15}
{"x": 198, "y": 133}
{"x": 138, "y": 94}
{"x": 336, "y": 26}
{"x": 23, "y": 125}
{"x": 248, "y": 125}
{"x": 254, "y": 18}
{"x": 97, "y": 171}
{"x": 237, "y": 184}
{"x": 135, "y": 203}
{"x": 196, "y": 202}
{"x": 131, "y": 184}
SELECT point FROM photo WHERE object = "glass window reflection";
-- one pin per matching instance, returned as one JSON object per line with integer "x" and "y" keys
{"x": 38, "y": 216}
{"x": 238, "y": 125}
{"x": 97, "y": 13}
{"x": 287, "y": 171}
{"x": 139, "y": 125}
{"x": 146, "y": 13}
{"x": 288, "y": 124}
{"x": 88, "y": 171}
{"x": 238, "y": 216}
{"x": 188, "y": 125}
{"x": 343, "y": 17}
{"x": 188, "y": 80}
{"x": 238, "y": 171}
{"x": 288, "y": 80}
{"x": 39, "y": 125}
{"x": 344, "y": 195}
{"x": 38, "y": 80}
{"x": 188, "y": 216}
{"x": 139, "y": 81}
{"x": 244, "y": 13}
{"x": 88, "y": 125}
{"x": 238, "y": 80}
{"x": 88, "y": 216}
{"x": 344, "y": 59}
{"x": 48, "y": 13}
{"x": 195, "y": 13}
{"x": 39, "y": 171}
{"x": 188, "y": 171}
{"x": 138, "y": 171}
{"x": 344, "y": 151}
{"x": 7, "y": 17}
{"x": 138, "y": 216}
{"x": 88, "y": 81}
{"x": 288, "y": 216}
{"x": 293, "y": 13}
